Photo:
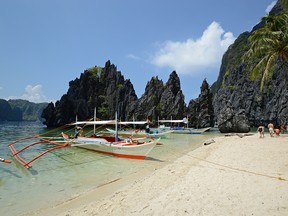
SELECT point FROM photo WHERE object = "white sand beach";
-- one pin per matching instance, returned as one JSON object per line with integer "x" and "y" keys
{"x": 232, "y": 176}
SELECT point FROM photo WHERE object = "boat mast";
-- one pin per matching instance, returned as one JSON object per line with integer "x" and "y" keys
{"x": 94, "y": 120}
{"x": 116, "y": 128}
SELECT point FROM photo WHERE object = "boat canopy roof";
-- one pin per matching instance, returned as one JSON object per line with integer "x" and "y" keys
{"x": 184, "y": 120}
{"x": 132, "y": 122}
{"x": 94, "y": 122}
{"x": 107, "y": 122}
{"x": 172, "y": 121}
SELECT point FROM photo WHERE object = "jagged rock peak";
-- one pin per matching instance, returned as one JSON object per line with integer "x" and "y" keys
{"x": 172, "y": 102}
{"x": 102, "y": 88}
{"x": 154, "y": 83}
{"x": 174, "y": 83}
{"x": 200, "y": 110}
{"x": 148, "y": 102}
{"x": 161, "y": 101}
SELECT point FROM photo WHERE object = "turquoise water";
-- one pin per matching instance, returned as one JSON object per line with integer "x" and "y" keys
{"x": 68, "y": 172}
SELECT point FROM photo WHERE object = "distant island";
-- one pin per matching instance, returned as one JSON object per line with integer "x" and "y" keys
{"x": 20, "y": 110}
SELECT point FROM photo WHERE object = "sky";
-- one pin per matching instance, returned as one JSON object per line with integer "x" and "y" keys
{"x": 46, "y": 44}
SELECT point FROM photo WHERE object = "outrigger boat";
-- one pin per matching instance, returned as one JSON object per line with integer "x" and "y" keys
{"x": 191, "y": 130}
{"x": 113, "y": 145}
{"x": 140, "y": 133}
{"x": 182, "y": 130}
{"x": 125, "y": 148}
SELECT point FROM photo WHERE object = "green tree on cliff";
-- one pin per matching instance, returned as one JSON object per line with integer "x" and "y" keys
{"x": 269, "y": 44}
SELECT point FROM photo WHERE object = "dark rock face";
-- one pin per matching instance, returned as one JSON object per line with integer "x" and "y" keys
{"x": 244, "y": 94}
{"x": 161, "y": 101}
{"x": 106, "y": 89}
{"x": 237, "y": 85}
{"x": 172, "y": 99}
{"x": 200, "y": 110}
{"x": 147, "y": 105}
{"x": 230, "y": 121}
{"x": 102, "y": 88}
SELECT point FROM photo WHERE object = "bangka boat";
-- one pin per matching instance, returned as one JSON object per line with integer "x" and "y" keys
{"x": 125, "y": 148}
{"x": 184, "y": 129}
{"x": 190, "y": 130}
{"x": 113, "y": 145}
{"x": 141, "y": 133}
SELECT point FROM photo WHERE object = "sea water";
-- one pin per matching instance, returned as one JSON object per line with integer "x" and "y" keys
{"x": 65, "y": 173}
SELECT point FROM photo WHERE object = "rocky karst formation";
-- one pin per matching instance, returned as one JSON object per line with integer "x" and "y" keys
{"x": 200, "y": 111}
{"x": 231, "y": 121}
{"x": 108, "y": 91}
{"x": 102, "y": 88}
{"x": 240, "y": 85}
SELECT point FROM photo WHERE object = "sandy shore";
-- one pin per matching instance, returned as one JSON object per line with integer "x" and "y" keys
{"x": 232, "y": 176}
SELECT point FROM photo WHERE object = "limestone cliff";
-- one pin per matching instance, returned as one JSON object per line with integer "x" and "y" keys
{"x": 108, "y": 91}
{"x": 200, "y": 110}
{"x": 161, "y": 101}
{"x": 239, "y": 87}
{"x": 102, "y": 88}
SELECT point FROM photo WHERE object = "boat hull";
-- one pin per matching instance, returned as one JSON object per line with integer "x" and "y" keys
{"x": 137, "y": 133}
{"x": 190, "y": 130}
{"x": 127, "y": 150}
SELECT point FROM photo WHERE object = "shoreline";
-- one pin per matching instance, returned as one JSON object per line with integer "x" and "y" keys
{"x": 232, "y": 176}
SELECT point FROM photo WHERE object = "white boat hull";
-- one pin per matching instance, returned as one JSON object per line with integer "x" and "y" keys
{"x": 135, "y": 133}
{"x": 127, "y": 148}
{"x": 191, "y": 130}
{"x": 124, "y": 150}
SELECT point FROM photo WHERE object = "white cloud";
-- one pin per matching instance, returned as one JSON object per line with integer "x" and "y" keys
{"x": 270, "y": 6}
{"x": 32, "y": 94}
{"x": 192, "y": 56}
{"x": 132, "y": 56}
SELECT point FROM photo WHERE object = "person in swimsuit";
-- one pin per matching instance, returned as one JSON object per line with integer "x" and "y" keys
{"x": 261, "y": 131}
{"x": 271, "y": 129}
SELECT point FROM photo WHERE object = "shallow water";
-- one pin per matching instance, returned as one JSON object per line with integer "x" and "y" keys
{"x": 68, "y": 172}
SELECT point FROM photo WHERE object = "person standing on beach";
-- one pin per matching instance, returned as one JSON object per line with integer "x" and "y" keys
{"x": 271, "y": 129}
{"x": 261, "y": 131}
{"x": 147, "y": 125}
{"x": 277, "y": 131}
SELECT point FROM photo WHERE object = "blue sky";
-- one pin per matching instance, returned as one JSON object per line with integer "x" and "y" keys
{"x": 46, "y": 44}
